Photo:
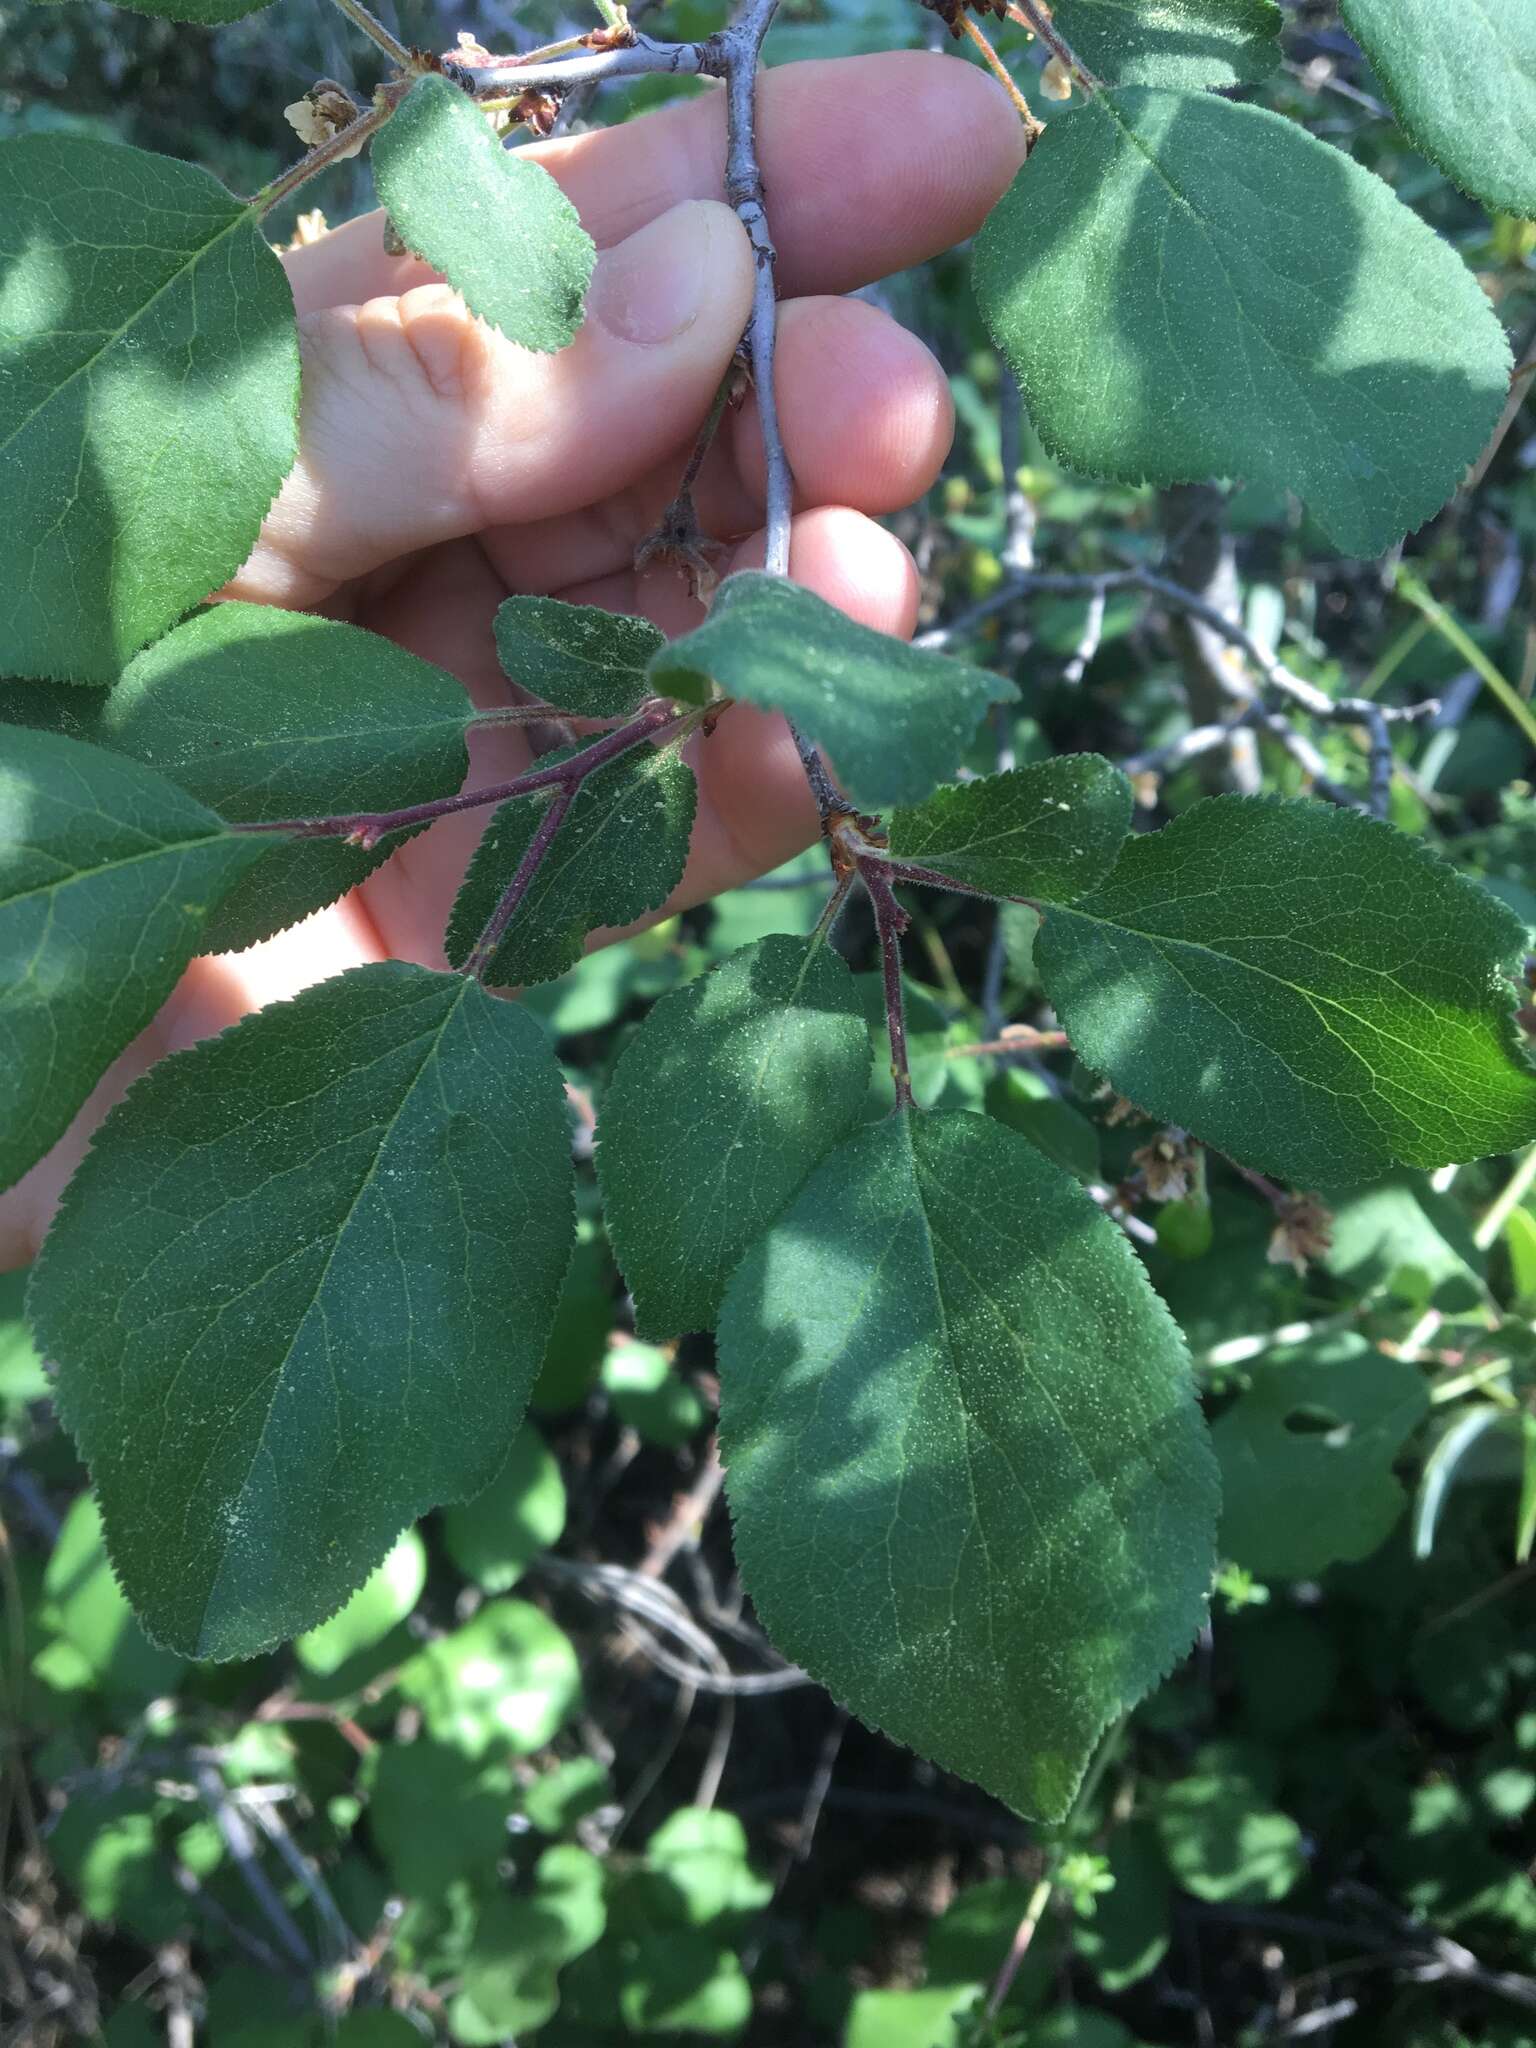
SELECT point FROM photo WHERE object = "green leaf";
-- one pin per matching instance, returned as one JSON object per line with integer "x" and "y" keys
{"x": 702, "y": 1854}
{"x": 650, "y": 1396}
{"x": 87, "y": 1608}
{"x": 765, "y": 1064}
{"x": 1129, "y": 1933}
{"x": 1306, "y": 1456}
{"x": 555, "y": 1802}
{"x": 509, "y": 1982}
{"x": 1301, "y": 987}
{"x": 380, "y": 1603}
{"x": 1183, "y": 43}
{"x": 264, "y": 714}
{"x": 436, "y": 1815}
{"x": 203, "y": 13}
{"x": 1051, "y": 829}
{"x": 335, "y": 1237}
{"x": 108, "y": 877}
{"x": 1464, "y": 95}
{"x": 1222, "y": 1841}
{"x": 619, "y": 855}
{"x": 492, "y": 221}
{"x": 972, "y": 1495}
{"x": 22, "y": 1378}
{"x": 1259, "y": 306}
{"x": 894, "y": 719}
{"x": 149, "y": 388}
{"x": 576, "y": 657}
{"x": 680, "y": 1983}
{"x": 931, "y": 2018}
{"x": 508, "y": 1680}
{"x": 496, "y": 1536}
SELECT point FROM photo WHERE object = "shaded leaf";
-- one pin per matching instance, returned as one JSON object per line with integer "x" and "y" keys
{"x": 1260, "y": 306}
{"x": 286, "y": 1231}
{"x": 108, "y": 877}
{"x": 492, "y": 221}
{"x": 1222, "y": 1841}
{"x": 264, "y": 714}
{"x": 149, "y": 388}
{"x": 576, "y": 657}
{"x": 497, "y": 1535}
{"x": 1129, "y": 1933}
{"x": 1050, "y": 829}
{"x": 618, "y": 855}
{"x": 436, "y": 1815}
{"x": 1176, "y": 42}
{"x": 971, "y": 1491}
{"x": 1306, "y": 1456}
{"x": 895, "y": 720}
{"x": 1299, "y": 986}
{"x": 763, "y": 1065}
{"x": 1466, "y": 99}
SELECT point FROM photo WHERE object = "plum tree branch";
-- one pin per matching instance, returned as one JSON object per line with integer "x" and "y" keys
{"x": 657, "y": 720}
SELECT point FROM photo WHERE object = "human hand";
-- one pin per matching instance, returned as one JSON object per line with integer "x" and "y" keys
{"x": 441, "y": 469}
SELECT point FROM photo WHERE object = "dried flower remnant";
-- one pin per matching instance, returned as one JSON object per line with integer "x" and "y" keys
{"x": 1303, "y": 1231}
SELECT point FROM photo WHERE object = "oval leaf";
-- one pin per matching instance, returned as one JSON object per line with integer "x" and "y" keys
{"x": 149, "y": 389}
{"x": 299, "y": 1289}
{"x": 1302, "y": 988}
{"x": 1306, "y": 1456}
{"x": 265, "y": 714}
{"x": 768, "y": 1060}
{"x": 1466, "y": 99}
{"x": 618, "y": 856}
{"x": 497, "y": 1535}
{"x": 493, "y": 222}
{"x": 894, "y": 719}
{"x": 1260, "y": 306}
{"x": 1050, "y": 829}
{"x": 1182, "y": 43}
{"x": 380, "y": 1603}
{"x": 972, "y": 1493}
{"x": 108, "y": 877}
{"x": 576, "y": 657}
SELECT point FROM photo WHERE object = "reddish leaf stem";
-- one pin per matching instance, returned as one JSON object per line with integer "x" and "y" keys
{"x": 496, "y": 924}
{"x": 890, "y": 923}
{"x": 367, "y": 828}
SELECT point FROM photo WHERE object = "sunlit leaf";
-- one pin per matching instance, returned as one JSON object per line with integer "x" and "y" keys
{"x": 292, "y": 1225}
{"x": 149, "y": 388}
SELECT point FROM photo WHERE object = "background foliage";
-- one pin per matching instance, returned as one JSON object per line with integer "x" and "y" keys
{"x": 544, "y": 1777}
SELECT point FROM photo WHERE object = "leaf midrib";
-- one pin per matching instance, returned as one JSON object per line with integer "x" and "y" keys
{"x": 139, "y": 312}
{"x": 434, "y": 1043}
{"x": 158, "y": 852}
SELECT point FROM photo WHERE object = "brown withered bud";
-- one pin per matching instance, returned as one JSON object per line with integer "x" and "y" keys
{"x": 324, "y": 111}
{"x": 1170, "y": 1166}
{"x": 1303, "y": 1231}
{"x": 540, "y": 111}
{"x": 950, "y": 11}
{"x": 617, "y": 35}
{"x": 682, "y": 542}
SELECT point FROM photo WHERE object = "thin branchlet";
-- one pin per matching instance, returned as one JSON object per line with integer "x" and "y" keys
{"x": 654, "y": 721}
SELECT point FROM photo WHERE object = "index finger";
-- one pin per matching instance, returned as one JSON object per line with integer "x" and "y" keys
{"x": 869, "y": 163}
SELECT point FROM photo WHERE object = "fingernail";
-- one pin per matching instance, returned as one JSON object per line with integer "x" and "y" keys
{"x": 651, "y": 288}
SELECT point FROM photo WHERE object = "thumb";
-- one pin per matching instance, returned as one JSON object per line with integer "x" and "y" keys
{"x": 420, "y": 424}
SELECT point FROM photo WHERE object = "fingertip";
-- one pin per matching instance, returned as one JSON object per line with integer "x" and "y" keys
{"x": 867, "y": 412}
{"x": 851, "y": 562}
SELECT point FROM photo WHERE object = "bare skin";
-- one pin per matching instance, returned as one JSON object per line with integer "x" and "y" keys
{"x": 441, "y": 469}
